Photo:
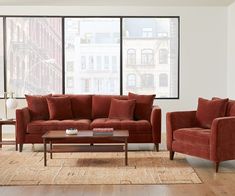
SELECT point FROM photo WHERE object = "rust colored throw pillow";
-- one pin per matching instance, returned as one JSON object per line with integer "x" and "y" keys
{"x": 208, "y": 110}
{"x": 59, "y": 108}
{"x": 122, "y": 109}
{"x": 143, "y": 106}
{"x": 37, "y": 105}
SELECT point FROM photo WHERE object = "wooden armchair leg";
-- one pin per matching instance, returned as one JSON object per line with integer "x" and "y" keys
{"x": 217, "y": 166}
{"x": 172, "y": 153}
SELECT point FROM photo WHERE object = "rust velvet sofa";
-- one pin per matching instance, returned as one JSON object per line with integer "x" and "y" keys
{"x": 88, "y": 112}
{"x": 215, "y": 143}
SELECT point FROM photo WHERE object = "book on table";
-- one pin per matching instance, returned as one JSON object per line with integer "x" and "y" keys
{"x": 102, "y": 131}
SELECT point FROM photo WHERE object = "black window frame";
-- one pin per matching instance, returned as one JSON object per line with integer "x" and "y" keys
{"x": 63, "y": 46}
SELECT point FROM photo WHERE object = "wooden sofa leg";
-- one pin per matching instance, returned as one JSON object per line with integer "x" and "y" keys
{"x": 157, "y": 147}
{"x": 20, "y": 147}
{"x": 172, "y": 153}
{"x": 91, "y": 144}
{"x": 217, "y": 167}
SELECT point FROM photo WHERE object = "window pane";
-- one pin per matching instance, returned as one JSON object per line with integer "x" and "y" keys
{"x": 150, "y": 56}
{"x": 94, "y": 47}
{"x": 1, "y": 60}
{"x": 34, "y": 55}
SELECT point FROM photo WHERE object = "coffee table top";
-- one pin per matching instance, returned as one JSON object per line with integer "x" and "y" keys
{"x": 84, "y": 134}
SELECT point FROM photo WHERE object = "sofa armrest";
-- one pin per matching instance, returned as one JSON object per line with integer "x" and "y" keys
{"x": 222, "y": 141}
{"x": 22, "y": 119}
{"x": 155, "y": 121}
{"x": 178, "y": 120}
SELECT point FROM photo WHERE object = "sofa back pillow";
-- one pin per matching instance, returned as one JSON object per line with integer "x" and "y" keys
{"x": 101, "y": 105}
{"x": 208, "y": 110}
{"x": 122, "y": 109}
{"x": 59, "y": 108}
{"x": 37, "y": 105}
{"x": 143, "y": 106}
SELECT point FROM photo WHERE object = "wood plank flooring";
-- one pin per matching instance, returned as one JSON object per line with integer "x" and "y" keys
{"x": 222, "y": 183}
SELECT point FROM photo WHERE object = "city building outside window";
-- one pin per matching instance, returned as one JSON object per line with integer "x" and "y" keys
{"x": 131, "y": 80}
{"x": 147, "y": 32}
{"x": 163, "y": 80}
{"x": 163, "y": 56}
{"x": 147, "y": 81}
{"x": 131, "y": 56}
{"x": 147, "y": 57}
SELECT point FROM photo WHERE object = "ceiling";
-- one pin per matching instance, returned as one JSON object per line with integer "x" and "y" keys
{"x": 116, "y": 2}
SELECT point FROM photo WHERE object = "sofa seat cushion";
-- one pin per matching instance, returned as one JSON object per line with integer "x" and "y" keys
{"x": 140, "y": 126}
{"x": 195, "y": 135}
{"x": 42, "y": 126}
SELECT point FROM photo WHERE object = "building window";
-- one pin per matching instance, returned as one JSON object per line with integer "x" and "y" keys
{"x": 147, "y": 57}
{"x": 98, "y": 63}
{"x": 163, "y": 80}
{"x": 163, "y": 56}
{"x": 131, "y": 80}
{"x": 131, "y": 57}
{"x": 106, "y": 62}
{"x": 20, "y": 49}
{"x": 147, "y": 80}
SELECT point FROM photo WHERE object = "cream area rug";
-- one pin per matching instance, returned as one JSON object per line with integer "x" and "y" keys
{"x": 145, "y": 167}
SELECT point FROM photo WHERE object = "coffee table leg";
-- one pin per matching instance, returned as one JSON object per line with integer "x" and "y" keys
{"x": 51, "y": 149}
{"x": 45, "y": 152}
{"x": 126, "y": 158}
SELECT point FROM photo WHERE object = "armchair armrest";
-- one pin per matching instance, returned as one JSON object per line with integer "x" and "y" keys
{"x": 222, "y": 141}
{"x": 178, "y": 120}
{"x": 155, "y": 121}
{"x": 22, "y": 119}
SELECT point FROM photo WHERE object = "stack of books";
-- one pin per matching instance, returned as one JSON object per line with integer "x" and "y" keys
{"x": 103, "y": 131}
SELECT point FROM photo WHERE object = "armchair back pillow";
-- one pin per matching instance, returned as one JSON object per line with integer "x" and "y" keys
{"x": 208, "y": 110}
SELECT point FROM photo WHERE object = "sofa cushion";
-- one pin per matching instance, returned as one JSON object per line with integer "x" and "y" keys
{"x": 37, "y": 105}
{"x": 59, "y": 108}
{"x": 208, "y": 110}
{"x": 101, "y": 105}
{"x": 230, "y": 111}
{"x": 81, "y": 106}
{"x": 143, "y": 106}
{"x": 193, "y": 135}
{"x": 122, "y": 109}
{"x": 140, "y": 126}
{"x": 42, "y": 126}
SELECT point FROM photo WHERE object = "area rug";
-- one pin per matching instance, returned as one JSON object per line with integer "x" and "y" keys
{"x": 144, "y": 167}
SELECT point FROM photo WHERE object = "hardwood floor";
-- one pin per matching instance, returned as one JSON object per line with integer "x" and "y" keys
{"x": 222, "y": 183}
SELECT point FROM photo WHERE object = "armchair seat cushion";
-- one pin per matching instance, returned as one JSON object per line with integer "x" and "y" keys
{"x": 42, "y": 126}
{"x": 195, "y": 135}
{"x": 140, "y": 126}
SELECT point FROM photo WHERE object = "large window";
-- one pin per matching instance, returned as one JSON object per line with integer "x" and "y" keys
{"x": 89, "y": 55}
{"x": 1, "y": 60}
{"x": 155, "y": 42}
{"x": 34, "y": 55}
{"x": 95, "y": 54}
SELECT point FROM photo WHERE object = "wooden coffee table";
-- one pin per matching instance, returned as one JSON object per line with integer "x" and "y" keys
{"x": 58, "y": 136}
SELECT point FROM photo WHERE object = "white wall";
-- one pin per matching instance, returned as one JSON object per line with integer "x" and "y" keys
{"x": 231, "y": 51}
{"x": 203, "y": 47}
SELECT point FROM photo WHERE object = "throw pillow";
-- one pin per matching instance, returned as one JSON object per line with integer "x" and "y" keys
{"x": 208, "y": 110}
{"x": 122, "y": 109}
{"x": 37, "y": 105}
{"x": 143, "y": 107}
{"x": 59, "y": 108}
